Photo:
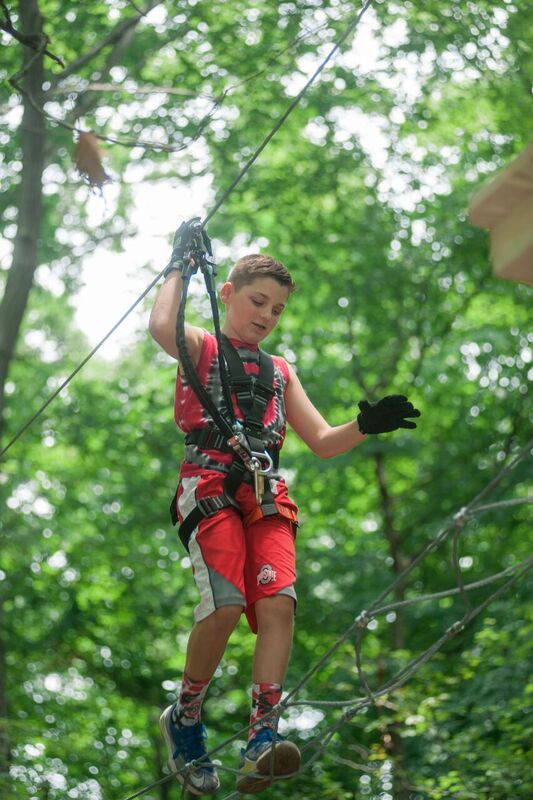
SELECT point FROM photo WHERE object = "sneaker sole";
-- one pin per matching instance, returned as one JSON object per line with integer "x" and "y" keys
{"x": 286, "y": 763}
{"x": 180, "y": 777}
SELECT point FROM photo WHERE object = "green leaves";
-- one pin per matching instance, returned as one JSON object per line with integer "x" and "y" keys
{"x": 363, "y": 194}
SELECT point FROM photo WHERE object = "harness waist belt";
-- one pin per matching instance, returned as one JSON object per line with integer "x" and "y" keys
{"x": 208, "y": 506}
{"x": 210, "y": 439}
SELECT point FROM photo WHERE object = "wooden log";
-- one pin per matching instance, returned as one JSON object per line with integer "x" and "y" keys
{"x": 504, "y": 205}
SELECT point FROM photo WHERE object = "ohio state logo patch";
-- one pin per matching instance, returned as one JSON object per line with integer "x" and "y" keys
{"x": 266, "y": 574}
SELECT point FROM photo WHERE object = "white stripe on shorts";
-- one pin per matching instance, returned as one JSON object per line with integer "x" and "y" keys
{"x": 215, "y": 591}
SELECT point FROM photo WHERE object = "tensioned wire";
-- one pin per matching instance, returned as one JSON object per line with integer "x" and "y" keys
{"x": 348, "y": 31}
{"x": 456, "y": 523}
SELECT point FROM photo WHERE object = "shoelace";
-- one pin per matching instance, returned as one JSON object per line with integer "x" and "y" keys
{"x": 263, "y": 736}
{"x": 191, "y": 740}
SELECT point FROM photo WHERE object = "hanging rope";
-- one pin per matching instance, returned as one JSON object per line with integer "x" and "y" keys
{"x": 349, "y": 30}
{"x": 77, "y": 369}
{"x": 455, "y": 525}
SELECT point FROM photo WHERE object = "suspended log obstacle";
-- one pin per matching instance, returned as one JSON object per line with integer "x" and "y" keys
{"x": 504, "y": 205}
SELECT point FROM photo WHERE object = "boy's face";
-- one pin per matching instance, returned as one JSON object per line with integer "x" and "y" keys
{"x": 254, "y": 310}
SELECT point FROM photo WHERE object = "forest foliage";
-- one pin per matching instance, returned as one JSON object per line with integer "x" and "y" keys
{"x": 363, "y": 193}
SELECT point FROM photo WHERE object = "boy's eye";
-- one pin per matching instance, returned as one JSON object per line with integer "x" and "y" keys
{"x": 259, "y": 303}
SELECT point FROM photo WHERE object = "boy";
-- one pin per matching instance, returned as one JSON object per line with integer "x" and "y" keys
{"x": 243, "y": 555}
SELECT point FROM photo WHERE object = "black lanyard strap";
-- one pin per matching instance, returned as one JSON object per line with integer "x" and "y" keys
{"x": 225, "y": 427}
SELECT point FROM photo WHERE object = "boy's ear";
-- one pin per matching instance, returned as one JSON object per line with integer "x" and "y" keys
{"x": 225, "y": 291}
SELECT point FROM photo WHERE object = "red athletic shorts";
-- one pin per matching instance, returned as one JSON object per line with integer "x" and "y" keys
{"x": 238, "y": 559}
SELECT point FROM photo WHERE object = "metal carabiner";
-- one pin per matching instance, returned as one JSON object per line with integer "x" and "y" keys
{"x": 265, "y": 457}
{"x": 259, "y": 472}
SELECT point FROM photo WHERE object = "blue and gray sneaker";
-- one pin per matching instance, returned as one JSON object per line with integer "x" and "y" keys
{"x": 262, "y": 757}
{"x": 185, "y": 744}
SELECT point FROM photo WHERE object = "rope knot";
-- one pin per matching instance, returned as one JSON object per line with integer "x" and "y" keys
{"x": 461, "y": 517}
{"x": 456, "y": 628}
{"x": 362, "y": 620}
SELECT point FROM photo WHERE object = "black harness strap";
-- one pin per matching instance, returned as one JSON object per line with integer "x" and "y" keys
{"x": 223, "y": 424}
{"x": 208, "y": 439}
{"x": 252, "y": 394}
{"x": 206, "y": 507}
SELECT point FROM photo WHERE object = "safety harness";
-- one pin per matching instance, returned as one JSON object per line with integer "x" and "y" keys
{"x": 254, "y": 457}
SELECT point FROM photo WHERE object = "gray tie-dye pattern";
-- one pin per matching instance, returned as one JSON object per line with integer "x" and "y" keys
{"x": 274, "y": 428}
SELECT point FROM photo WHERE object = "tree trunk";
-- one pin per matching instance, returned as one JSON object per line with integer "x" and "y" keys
{"x": 160, "y": 762}
{"x": 20, "y": 276}
{"x": 26, "y": 246}
{"x": 391, "y": 737}
{"x": 394, "y": 747}
{"x": 399, "y": 561}
{"x": 5, "y": 748}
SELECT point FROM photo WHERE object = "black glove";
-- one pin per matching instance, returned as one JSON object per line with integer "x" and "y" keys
{"x": 388, "y": 414}
{"x": 187, "y": 238}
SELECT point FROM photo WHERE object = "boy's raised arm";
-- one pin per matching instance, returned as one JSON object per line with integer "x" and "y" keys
{"x": 162, "y": 324}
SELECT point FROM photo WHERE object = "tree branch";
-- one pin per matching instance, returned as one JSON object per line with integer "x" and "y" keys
{"x": 35, "y": 41}
{"x": 121, "y": 37}
{"x": 117, "y": 87}
{"x": 114, "y": 36}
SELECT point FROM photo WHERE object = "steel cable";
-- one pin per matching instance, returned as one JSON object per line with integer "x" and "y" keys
{"x": 349, "y": 30}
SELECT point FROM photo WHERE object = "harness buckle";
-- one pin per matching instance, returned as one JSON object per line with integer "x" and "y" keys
{"x": 210, "y": 505}
{"x": 239, "y": 444}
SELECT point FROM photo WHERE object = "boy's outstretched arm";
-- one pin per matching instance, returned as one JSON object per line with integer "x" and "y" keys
{"x": 307, "y": 421}
{"x": 388, "y": 414}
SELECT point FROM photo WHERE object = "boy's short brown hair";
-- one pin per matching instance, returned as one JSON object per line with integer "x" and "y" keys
{"x": 248, "y": 268}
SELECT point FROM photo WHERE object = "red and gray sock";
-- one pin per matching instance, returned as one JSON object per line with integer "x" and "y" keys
{"x": 189, "y": 706}
{"x": 264, "y": 697}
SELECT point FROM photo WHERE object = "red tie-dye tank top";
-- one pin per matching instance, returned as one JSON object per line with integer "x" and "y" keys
{"x": 190, "y": 414}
